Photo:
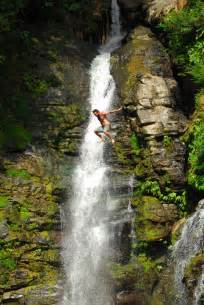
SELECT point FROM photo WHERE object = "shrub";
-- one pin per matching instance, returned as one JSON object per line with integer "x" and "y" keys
{"x": 195, "y": 143}
{"x": 185, "y": 32}
{"x": 13, "y": 136}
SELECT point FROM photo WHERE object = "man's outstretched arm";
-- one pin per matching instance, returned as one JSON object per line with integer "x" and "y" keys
{"x": 114, "y": 111}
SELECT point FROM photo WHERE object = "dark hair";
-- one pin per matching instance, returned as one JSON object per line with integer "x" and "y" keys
{"x": 95, "y": 110}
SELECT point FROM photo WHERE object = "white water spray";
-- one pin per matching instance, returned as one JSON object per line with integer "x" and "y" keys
{"x": 86, "y": 243}
{"x": 189, "y": 245}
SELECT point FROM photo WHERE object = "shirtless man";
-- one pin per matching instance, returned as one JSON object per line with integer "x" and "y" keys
{"x": 105, "y": 123}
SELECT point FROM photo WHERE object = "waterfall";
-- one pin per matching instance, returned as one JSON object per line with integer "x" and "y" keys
{"x": 190, "y": 244}
{"x": 86, "y": 241}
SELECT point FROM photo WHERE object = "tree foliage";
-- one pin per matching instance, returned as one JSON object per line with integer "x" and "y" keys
{"x": 185, "y": 33}
{"x": 195, "y": 142}
{"x": 20, "y": 83}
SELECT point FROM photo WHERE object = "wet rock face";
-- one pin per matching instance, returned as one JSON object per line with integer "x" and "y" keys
{"x": 193, "y": 278}
{"x": 151, "y": 97}
{"x": 59, "y": 114}
{"x": 29, "y": 233}
{"x": 149, "y": 144}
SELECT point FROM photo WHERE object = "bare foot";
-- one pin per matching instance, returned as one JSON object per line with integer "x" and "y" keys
{"x": 101, "y": 140}
{"x": 113, "y": 141}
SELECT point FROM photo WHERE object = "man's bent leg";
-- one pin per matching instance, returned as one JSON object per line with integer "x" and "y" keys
{"x": 98, "y": 135}
{"x": 109, "y": 136}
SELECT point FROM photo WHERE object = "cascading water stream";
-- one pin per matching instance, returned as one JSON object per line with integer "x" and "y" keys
{"x": 189, "y": 245}
{"x": 86, "y": 244}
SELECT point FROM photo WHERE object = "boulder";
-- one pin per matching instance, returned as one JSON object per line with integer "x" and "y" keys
{"x": 177, "y": 229}
{"x": 193, "y": 278}
{"x": 134, "y": 281}
{"x": 130, "y": 298}
{"x": 153, "y": 220}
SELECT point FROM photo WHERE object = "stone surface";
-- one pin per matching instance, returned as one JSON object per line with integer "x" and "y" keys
{"x": 151, "y": 99}
{"x": 58, "y": 115}
{"x": 177, "y": 229}
{"x": 29, "y": 223}
{"x": 130, "y": 298}
{"x": 154, "y": 220}
{"x": 192, "y": 276}
{"x": 134, "y": 281}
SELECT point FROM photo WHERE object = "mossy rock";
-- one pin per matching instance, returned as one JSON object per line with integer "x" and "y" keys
{"x": 151, "y": 221}
{"x": 193, "y": 271}
{"x": 177, "y": 230}
{"x": 139, "y": 274}
{"x": 47, "y": 294}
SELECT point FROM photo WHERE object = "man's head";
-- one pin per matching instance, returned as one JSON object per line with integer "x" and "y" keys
{"x": 96, "y": 111}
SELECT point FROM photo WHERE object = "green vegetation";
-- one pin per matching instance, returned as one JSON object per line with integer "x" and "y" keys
{"x": 18, "y": 173}
{"x": 23, "y": 48}
{"x": 4, "y": 201}
{"x": 185, "y": 33}
{"x": 24, "y": 214}
{"x": 146, "y": 262}
{"x": 121, "y": 272}
{"x": 6, "y": 260}
{"x": 167, "y": 141}
{"x": 185, "y": 38}
{"x": 135, "y": 144}
{"x": 153, "y": 188}
{"x": 194, "y": 139}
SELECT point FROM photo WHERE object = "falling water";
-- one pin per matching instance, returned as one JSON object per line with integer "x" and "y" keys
{"x": 190, "y": 244}
{"x": 86, "y": 243}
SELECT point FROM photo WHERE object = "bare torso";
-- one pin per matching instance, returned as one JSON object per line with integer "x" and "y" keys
{"x": 102, "y": 117}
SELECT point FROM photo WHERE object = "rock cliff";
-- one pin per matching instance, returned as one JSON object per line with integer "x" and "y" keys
{"x": 151, "y": 98}
{"x": 154, "y": 152}
{"x": 29, "y": 232}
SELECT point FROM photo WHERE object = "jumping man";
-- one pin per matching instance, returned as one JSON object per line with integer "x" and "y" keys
{"x": 105, "y": 123}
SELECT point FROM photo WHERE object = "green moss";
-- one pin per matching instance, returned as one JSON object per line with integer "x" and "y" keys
{"x": 146, "y": 262}
{"x": 2, "y": 214}
{"x": 135, "y": 144}
{"x": 121, "y": 272}
{"x": 15, "y": 173}
{"x": 149, "y": 231}
{"x": 24, "y": 214}
{"x": 14, "y": 227}
{"x": 52, "y": 209}
{"x": 35, "y": 85}
{"x": 4, "y": 201}
{"x": 6, "y": 260}
{"x": 49, "y": 187}
{"x": 13, "y": 136}
{"x": 32, "y": 226}
{"x": 147, "y": 222}
{"x": 167, "y": 142}
{"x": 194, "y": 268}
